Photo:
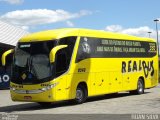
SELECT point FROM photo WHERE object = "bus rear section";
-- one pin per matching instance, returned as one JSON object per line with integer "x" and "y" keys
{"x": 115, "y": 65}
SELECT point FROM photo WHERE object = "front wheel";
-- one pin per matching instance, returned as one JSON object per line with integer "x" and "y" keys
{"x": 81, "y": 95}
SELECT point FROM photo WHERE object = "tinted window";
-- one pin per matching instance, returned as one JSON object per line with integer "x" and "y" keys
{"x": 111, "y": 48}
{"x": 63, "y": 56}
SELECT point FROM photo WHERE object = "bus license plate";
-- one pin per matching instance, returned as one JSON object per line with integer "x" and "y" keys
{"x": 27, "y": 97}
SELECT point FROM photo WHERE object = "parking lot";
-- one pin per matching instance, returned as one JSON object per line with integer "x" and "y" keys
{"x": 123, "y": 103}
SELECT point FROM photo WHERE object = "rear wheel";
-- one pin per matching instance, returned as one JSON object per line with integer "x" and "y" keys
{"x": 140, "y": 87}
{"x": 81, "y": 95}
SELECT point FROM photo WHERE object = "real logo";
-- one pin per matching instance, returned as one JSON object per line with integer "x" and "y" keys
{"x": 134, "y": 66}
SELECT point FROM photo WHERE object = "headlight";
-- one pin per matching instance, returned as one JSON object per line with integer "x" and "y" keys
{"x": 49, "y": 87}
{"x": 12, "y": 88}
{"x": 34, "y": 91}
{"x": 44, "y": 89}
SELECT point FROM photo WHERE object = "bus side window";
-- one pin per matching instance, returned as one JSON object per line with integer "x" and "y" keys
{"x": 61, "y": 63}
{"x": 84, "y": 49}
{"x": 63, "y": 57}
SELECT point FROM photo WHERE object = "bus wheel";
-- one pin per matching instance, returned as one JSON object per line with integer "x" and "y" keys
{"x": 140, "y": 88}
{"x": 81, "y": 94}
{"x": 45, "y": 104}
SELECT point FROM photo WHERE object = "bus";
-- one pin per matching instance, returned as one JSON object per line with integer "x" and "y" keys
{"x": 5, "y": 71}
{"x": 75, "y": 63}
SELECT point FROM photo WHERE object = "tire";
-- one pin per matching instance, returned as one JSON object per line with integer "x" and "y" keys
{"x": 45, "y": 104}
{"x": 81, "y": 94}
{"x": 140, "y": 88}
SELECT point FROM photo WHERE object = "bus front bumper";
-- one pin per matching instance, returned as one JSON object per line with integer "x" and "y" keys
{"x": 32, "y": 95}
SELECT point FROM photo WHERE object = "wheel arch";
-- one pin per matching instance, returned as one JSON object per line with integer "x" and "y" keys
{"x": 84, "y": 84}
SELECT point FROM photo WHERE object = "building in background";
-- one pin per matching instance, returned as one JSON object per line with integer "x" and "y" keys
{"x": 9, "y": 36}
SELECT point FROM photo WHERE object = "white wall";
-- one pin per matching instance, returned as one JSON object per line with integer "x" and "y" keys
{"x": 10, "y": 34}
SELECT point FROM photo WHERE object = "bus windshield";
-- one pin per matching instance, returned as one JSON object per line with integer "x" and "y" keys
{"x": 31, "y": 62}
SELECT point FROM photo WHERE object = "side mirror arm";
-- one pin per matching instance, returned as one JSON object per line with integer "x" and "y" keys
{"x": 4, "y": 55}
{"x": 54, "y": 51}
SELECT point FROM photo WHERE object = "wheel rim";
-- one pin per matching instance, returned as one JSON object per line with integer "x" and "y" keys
{"x": 140, "y": 87}
{"x": 79, "y": 94}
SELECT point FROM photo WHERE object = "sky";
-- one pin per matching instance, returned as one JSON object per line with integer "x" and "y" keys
{"x": 134, "y": 17}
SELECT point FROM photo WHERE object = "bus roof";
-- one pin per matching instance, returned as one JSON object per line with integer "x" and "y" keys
{"x": 66, "y": 32}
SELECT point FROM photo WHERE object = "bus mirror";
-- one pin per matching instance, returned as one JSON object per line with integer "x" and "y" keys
{"x": 4, "y": 55}
{"x": 54, "y": 51}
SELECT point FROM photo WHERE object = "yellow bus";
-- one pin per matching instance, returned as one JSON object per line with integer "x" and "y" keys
{"x": 73, "y": 64}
